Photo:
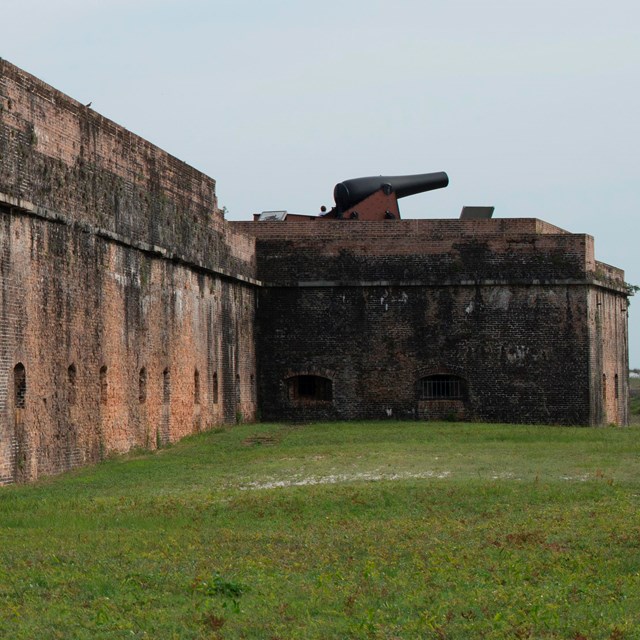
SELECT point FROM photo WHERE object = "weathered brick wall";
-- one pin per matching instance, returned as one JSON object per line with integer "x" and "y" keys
{"x": 426, "y": 251}
{"x": 122, "y": 292}
{"x": 65, "y": 157}
{"x": 375, "y": 307}
{"x": 527, "y": 258}
{"x": 70, "y": 299}
{"x": 609, "y": 356}
{"x": 510, "y": 343}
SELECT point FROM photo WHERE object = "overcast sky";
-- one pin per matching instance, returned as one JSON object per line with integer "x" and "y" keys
{"x": 533, "y": 107}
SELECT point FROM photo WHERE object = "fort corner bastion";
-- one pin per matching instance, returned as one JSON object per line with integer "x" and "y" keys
{"x": 133, "y": 313}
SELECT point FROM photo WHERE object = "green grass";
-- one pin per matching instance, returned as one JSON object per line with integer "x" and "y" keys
{"x": 349, "y": 530}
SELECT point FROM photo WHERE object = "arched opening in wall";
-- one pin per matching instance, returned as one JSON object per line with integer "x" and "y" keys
{"x": 442, "y": 387}
{"x": 71, "y": 384}
{"x": 196, "y": 387}
{"x": 20, "y": 386}
{"x": 604, "y": 387}
{"x": 166, "y": 386}
{"x": 20, "y": 460}
{"x": 237, "y": 388}
{"x": 104, "y": 385}
{"x": 310, "y": 388}
{"x": 142, "y": 386}
{"x": 214, "y": 390}
{"x": 615, "y": 386}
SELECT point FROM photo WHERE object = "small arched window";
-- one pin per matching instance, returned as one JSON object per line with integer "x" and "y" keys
{"x": 166, "y": 386}
{"x": 214, "y": 390}
{"x": 442, "y": 387}
{"x": 604, "y": 387}
{"x": 196, "y": 387}
{"x": 310, "y": 388}
{"x": 20, "y": 386}
{"x": 142, "y": 386}
{"x": 104, "y": 385}
{"x": 72, "y": 377}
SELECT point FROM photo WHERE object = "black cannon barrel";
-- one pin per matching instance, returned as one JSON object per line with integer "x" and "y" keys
{"x": 349, "y": 192}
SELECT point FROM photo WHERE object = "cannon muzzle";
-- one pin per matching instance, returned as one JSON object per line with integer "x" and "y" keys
{"x": 349, "y": 193}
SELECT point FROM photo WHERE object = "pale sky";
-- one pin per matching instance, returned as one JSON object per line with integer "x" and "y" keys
{"x": 533, "y": 107}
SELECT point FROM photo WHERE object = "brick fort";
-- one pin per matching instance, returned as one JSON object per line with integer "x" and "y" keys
{"x": 134, "y": 314}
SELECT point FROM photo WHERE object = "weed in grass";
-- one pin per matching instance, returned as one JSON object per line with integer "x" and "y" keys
{"x": 214, "y": 622}
{"x": 217, "y": 585}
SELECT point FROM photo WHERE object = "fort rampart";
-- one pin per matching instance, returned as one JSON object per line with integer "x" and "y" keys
{"x": 127, "y": 304}
{"x": 517, "y": 311}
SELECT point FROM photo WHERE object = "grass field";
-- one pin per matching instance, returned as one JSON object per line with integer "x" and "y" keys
{"x": 359, "y": 530}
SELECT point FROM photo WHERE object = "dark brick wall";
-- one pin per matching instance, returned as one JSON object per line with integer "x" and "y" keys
{"x": 510, "y": 343}
{"x": 527, "y": 258}
{"x": 504, "y": 304}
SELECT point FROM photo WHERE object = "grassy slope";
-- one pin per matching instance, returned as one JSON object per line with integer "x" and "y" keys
{"x": 510, "y": 532}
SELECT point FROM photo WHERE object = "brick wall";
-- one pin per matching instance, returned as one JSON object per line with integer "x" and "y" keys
{"x": 123, "y": 294}
{"x": 59, "y": 155}
{"x": 359, "y": 258}
{"x": 375, "y": 307}
{"x": 70, "y": 299}
{"x": 511, "y": 344}
{"x": 609, "y": 357}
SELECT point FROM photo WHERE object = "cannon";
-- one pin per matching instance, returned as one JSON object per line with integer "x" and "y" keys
{"x": 376, "y": 197}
